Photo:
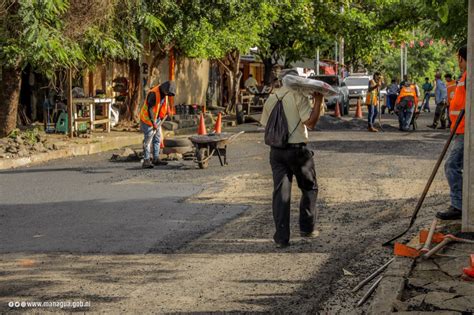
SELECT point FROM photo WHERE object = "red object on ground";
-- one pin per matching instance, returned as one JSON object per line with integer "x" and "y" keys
{"x": 437, "y": 237}
{"x": 469, "y": 271}
{"x": 218, "y": 127}
{"x": 337, "y": 111}
{"x": 358, "y": 113}
{"x": 202, "y": 126}
{"x": 405, "y": 251}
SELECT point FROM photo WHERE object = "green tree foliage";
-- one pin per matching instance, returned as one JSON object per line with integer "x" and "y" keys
{"x": 31, "y": 33}
{"x": 50, "y": 35}
{"x": 296, "y": 29}
{"x": 422, "y": 61}
{"x": 216, "y": 30}
{"x": 441, "y": 18}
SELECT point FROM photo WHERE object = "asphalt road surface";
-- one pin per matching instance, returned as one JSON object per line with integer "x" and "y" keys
{"x": 181, "y": 239}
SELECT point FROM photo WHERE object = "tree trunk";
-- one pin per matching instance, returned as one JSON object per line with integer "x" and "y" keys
{"x": 268, "y": 71}
{"x": 9, "y": 98}
{"x": 232, "y": 67}
{"x": 133, "y": 91}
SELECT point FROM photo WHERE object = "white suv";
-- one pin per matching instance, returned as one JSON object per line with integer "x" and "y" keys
{"x": 358, "y": 86}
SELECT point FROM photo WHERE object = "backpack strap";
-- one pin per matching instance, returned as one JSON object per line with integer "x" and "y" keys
{"x": 281, "y": 99}
{"x": 294, "y": 129}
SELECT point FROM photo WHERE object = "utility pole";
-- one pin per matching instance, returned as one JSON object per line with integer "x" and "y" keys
{"x": 341, "y": 48}
{"x": 406, "y": 60}
{"x": 69, "y": 103}
{"x": 317, "y": 61}
{"x": 401, "y": 63}
{"x": 335, "y": 54}
{"x": 468, "y": 177}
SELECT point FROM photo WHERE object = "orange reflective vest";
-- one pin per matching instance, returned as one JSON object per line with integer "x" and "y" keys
{"x": 372, "y": 97}
{"x": 408, "y": 91}
{"x": 158, "y": 109}
{"x": 458, "y": 103}
{"x": 451, "y": 87}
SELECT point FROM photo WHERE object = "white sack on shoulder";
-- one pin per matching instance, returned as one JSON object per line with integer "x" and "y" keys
{"x": 308, "y": 86}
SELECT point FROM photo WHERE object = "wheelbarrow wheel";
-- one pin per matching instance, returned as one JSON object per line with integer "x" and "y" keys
{"x": 201, "y": 155}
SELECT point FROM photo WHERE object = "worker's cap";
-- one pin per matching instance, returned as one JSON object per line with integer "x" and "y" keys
{"x": 168, "y": 88}
{"x": 286, "y": 72}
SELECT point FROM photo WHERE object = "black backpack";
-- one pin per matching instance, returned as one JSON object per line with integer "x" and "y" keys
{"x": 276, "y": 130}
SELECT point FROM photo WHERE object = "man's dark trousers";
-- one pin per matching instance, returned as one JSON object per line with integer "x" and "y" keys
{"x": 440, "y": 114}
{"x": 285, "y": 163}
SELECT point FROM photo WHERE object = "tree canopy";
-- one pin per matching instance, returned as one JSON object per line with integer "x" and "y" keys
{"x": 55, "y": 34}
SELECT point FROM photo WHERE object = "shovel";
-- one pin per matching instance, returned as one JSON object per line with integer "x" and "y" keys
{"x": 430, "y": 180}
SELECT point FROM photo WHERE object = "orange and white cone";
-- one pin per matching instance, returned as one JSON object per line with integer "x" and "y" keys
{"x": 337, "y": 111}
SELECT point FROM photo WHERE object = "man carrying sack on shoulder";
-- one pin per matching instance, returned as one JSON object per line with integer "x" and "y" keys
{"x": 287, "y": 114}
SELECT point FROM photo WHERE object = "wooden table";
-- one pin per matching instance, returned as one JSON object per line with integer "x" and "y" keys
{"x": 90, "y": 106}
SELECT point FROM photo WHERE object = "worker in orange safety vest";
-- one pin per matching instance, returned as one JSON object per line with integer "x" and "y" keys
{"x": 406, "y": 105}
{"x": 152, "y": 112}
{"x": 371, "y": 100}
{"x": 454, "y": 164}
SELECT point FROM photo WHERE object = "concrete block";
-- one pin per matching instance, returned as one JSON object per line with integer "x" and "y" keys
{"x": 452, "y": 286}
{"x": 453, "y": 266}
{"x": 389, "y": 290}
{"x": 170, "y": 125}
{"x": 431, "y": 275}
{"x": 401, "y": 267}
{"x": 450, "y": 301}
{"x": 424, "y": 265}
{"x": 418, "y": 282}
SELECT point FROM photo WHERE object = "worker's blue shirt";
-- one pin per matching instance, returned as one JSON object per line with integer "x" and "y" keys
{"x": 441, "y": 93}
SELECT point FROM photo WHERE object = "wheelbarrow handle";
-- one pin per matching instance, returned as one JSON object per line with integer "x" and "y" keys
{"x": 233, "y": 137}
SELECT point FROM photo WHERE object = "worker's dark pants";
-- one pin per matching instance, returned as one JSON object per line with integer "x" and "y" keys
{"x": 405, "y": 110}
{"x": 440, "y": 114}
{"x": 285, "y": 163}
{"x": 371, "y": 115}
{"x": 453, "y": 168}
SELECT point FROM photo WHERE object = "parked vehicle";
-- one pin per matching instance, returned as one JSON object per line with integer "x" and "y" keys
{"x": 342, "y": 98}
{"x": 358, "y": 86}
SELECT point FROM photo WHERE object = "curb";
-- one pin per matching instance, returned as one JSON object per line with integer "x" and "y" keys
{"x": 392, "y": 286}
{"x": 73, "y": 150}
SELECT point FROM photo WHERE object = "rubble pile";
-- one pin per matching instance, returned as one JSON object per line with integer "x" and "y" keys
{"x": 24, "y": 144}
{"x": 130, "y": 155}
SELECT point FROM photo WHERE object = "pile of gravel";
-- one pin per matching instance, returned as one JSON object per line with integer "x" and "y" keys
{"x": 23, "y": 144}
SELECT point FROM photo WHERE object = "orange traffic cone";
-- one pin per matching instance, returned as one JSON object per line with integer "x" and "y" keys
{"x": 337, "y": 111}
{"x": 202, "y": 126}
{"x": 358, "y": 113}
{"x": 218, "y": 127}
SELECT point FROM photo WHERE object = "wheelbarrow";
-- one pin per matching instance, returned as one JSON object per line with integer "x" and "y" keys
{"x": 211, "y": 145}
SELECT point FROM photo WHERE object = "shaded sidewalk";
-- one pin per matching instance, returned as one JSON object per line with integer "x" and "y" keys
{"x": 98, "y": 142}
